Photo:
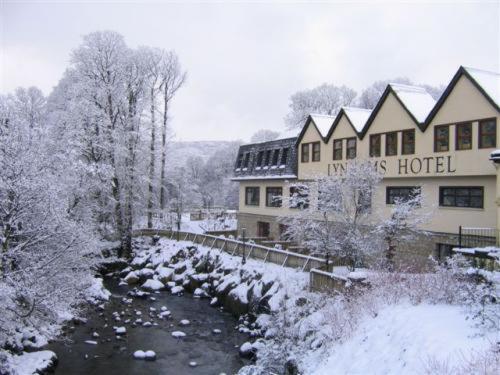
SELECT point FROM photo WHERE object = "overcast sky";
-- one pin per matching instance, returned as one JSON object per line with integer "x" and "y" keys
{"x": 244, "y": 60}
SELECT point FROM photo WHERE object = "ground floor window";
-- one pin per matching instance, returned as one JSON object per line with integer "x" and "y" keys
{"x": 273, "y": 196}
{"x": 263, "y": 229}
{"x": 461, "y": 196}
{"x": 400, "y": 193}
{"x": 252, "y": 196}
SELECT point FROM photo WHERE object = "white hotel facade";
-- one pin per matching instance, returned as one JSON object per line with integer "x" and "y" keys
{"x": 441, "y": 147}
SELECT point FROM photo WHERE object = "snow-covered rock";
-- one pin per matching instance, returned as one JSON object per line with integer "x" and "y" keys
{"x": 139, "y": 354}
{"x": 184, "y": 322}
{"x": 164, "y": 273}
{"x": 153, "y": 285}
{"x": 91, "y": 342}
{"x": 150, "y": 355}
{"x": 120, "y": 330}
{"x": 97, "y": 293}
{"x": 177, "y": 290}
{"x": 131, "y": 278}
{"x": 178, "y": 334}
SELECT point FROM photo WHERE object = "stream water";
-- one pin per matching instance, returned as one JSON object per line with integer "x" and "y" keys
{"x": 214, "y": 353}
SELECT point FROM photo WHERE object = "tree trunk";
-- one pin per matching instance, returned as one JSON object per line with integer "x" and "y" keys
{"x": 152, "y": 161}
{"x": 163, "y": 151}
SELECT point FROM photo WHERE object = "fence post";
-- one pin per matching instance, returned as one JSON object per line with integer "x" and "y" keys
{"x": 460, "y": 236}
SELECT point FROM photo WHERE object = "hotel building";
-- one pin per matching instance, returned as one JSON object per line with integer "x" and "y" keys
{"x": 441, "y": 148}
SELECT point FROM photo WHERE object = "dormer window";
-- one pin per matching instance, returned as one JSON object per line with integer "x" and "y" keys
{"x": 260, "y": 158}
{"x": 275, "y": 156}
{"x": 284, "y": 156}
{"x": 268, "y": 157}
{"x": 240, "y": 160}
{"x": 246, "y": 160}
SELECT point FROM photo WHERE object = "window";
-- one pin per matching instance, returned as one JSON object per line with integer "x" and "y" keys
{"x": 252, "y": 196}
{"x": 337, "y": 149}
{"x": 260, "y": 158}
{"x": 240, "y": 161}
{"x": 458, "y": 196}
{"x": 284, "y": 156}
{"x": 351, "y": 148}
{"x": 463, "y": 136}
{"x": 246, "y": 160}
{"x": 375, "y": 145}
{"x": 268, "y": 157}
{"x": 275, "y": 157}
{"x": 441, "y": 138}
{"x": 299, "y": 196}
{"x": 304, "y": 154}
{"x": 273, "y": 196}
{"x": 391, "y": 144}
{"x": 400, "y": 193}
{"x": 316, "y": 151}
{"x": 263, "y": 229}
{"x": 408, "y": 142}
{"x": 488, "y": 133}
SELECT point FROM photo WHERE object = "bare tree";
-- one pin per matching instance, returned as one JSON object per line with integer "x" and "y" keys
{"x": 264, "y": 135}
{"x": 325, "y": 99}
{"x": 172, "y": 79}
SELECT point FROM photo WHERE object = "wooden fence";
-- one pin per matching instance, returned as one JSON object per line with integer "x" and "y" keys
{"x": 324, "y": 281}
{"x": 234, "y": 247}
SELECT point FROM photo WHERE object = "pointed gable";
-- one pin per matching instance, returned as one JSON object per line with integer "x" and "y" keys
{"x": 322, "y": 124}
{"x": 471, "y": 94}
{"x": 415, "y": 101}
{"x": 356, "y": 117}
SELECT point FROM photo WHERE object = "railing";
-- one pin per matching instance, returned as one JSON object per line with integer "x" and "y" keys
{"x": 469, "y": 237}
{"x": 248, "y": 250}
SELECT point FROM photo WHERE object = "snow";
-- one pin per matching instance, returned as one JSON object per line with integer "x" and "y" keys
{"x": 184, "y": 322}
{"x": 489, "y": 81}
{"x": 266, "y": 177}
{"x": 139, "y": 354}
{"x": 178, "y": 334}
{"x": 97, "y": 292}
{"x": 402, "y": 338}
{"x": 153, "y": 284}
{"x": 293, "y": 133}
{"x": 357, "y": 117}
{"x": 120, "y": 330}
{"x": 416, "y": 99}
{"x": 323, "y": 123}
{"x": 91, "y": 342}
{"x": 33, "y": 363}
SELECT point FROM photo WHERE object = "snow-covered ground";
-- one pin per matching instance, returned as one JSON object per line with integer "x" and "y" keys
{"x": 409, "y": 339}
{"x": 408, "y": 324}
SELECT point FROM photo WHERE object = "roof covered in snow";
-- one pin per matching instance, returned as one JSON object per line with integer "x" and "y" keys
{"x": 489, "y": 82}
{"x": 322, "y": 122}
{"x": 357, "y": 117}
{"x": 416, "y": 100}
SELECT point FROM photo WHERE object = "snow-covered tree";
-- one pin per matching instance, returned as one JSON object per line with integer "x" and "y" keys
{"x": 403, "y": 224}
{"x": 370, "y": 96}
{"x": 264, "y": 135}
{"x": 325, "y": 99}
{"x": 338, "y": 222}
{"x": 45, "y": 248}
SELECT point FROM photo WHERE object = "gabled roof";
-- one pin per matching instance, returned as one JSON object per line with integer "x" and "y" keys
{"x": 357, "y": 117}
{"x": 322, "y": 123}
{"x": 488, "y": 83}
{"x": 416, "y": 101}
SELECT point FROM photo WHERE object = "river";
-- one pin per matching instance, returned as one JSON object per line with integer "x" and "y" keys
{"x": 214, "y": 353}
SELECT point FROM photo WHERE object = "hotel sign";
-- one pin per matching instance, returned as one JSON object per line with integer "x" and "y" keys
{"x": 406, "y": 166}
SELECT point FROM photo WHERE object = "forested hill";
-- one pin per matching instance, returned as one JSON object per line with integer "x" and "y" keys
{"x": 180, "y": 151}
